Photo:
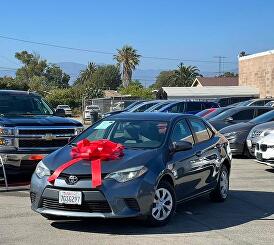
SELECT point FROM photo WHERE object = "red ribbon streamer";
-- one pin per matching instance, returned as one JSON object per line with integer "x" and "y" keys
{"x": 95, "y": 152}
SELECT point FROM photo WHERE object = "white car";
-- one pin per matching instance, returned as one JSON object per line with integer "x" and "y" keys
{"x": 66, "y": 108}
{"x": 264, "y": 150}
{"x": 88, "y": 110}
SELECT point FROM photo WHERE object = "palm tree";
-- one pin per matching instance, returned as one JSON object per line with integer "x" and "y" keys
{"x": 86, "y": 75}
{"x": 128, "y": 58}
{"x": 185, "y": 75}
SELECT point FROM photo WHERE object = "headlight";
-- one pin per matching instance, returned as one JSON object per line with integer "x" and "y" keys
{"x": 127, "y": 174}
{"x": 41, "y": 170}
{"x": 6, "y": 131}
{"x": 79, "y": 130}
{"x": 6, "y": 142}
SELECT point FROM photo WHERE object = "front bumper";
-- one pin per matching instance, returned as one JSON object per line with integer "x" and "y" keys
{"x": 111, "y": 200}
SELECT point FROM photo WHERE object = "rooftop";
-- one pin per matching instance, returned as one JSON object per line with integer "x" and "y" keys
{"x": 216, "y": 81}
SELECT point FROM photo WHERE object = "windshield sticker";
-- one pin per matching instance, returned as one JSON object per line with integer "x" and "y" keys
{"x": 104, "y": 124}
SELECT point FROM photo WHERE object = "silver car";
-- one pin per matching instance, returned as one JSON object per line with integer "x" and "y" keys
{"x": 257, "y": 133}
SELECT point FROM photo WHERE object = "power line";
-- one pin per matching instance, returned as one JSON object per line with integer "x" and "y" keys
{"x": 105, "y": 52}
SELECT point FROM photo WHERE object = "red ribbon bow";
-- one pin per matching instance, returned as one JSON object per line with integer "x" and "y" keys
{"x": 95, "y": 152}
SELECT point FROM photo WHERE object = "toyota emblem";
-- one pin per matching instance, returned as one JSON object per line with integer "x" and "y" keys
{"x": 72, "y": 180}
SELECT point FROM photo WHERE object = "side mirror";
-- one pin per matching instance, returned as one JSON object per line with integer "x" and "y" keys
{"x": 229, "y": 119}
{"x": 181, "y": 146}
{"x": 60, "y": 113}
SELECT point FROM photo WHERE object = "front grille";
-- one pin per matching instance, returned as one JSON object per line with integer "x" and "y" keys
{"x": 263, "y": 147}
{"x": 132, "y": 203}
{"x": 46, "y": 131}
{"x": 26, "y": 143}
{"x": 79, "y": 176}
{"x": 32, "y": 197}
{"x": 87, "y": 206}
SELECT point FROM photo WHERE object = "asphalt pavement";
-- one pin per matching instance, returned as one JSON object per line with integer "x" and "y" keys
{"x": 247, "y": 217}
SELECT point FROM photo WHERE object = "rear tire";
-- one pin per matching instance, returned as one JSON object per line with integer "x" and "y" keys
{"x": 220, "y": 193}
{"x": 163, "y": 206}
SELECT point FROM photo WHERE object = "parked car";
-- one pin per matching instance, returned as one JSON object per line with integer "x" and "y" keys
{"x": 237, "y": 134}
{"x": 232, "y": 101}
{"x": 168, "y": 158}
{"x": 158, "y": 106}
{"x": 237, "y": 114}
{"x": 89, "y": 109}
{"x": 30, "y": 129}
{"x": 264, "y": 150}
{"x": 144, "y": 106}
{"x": 257, "y": 133}
{"x": 216, "y": 112}
{"x": 255, "y": 102}
{"x": 135, "y": 103}
{"x": 189, "y": 107}
{"x": 205, "y": 112}
{"x": 66, "y": 108}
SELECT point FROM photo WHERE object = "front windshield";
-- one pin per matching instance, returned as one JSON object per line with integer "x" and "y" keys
{"x": 23, "y": 105}
{"x": 157, "y": 107}
{"x": 63, "y": 106}
{"x": 131, "y": 134}
{"x": 266, "y": 117}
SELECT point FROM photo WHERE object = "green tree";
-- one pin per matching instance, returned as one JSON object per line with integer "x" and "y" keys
{"x": 128, "y": 58}
{"x": 33, "y": 65}
{"x": 55, "y": 77}
{"x": 229, "y": 74}
{"x": 11, "y": 83}
{"x": 185, "y": 75}
{"x": 87, "y": 74}
{"x": 136, "y": 90}
{"x": 106, "y": 77}
{"x": 164, "y": 79}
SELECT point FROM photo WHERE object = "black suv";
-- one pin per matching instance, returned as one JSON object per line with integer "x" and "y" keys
{"x": 30, "y": 128}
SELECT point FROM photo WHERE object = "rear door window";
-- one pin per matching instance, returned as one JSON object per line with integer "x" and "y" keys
{"x": 193, "y": 106}
{"x": 262, "y": 111}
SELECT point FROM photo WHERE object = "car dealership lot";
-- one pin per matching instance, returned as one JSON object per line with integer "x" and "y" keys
{"x": 247, "y": 217}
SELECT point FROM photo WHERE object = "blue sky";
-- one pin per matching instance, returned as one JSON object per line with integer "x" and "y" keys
{"x": 193, "y": 29}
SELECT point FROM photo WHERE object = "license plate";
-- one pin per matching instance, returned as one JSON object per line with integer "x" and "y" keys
{"x": 70, "y": 197}
{"x": 259, "y": 156}
{"x": 248, "y": 142}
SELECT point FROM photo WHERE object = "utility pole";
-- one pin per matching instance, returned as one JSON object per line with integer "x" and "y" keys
{"x": 221, "y": 63}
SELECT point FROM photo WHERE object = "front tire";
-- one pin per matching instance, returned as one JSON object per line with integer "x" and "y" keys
{"x": 220, "y": 193}
{"x": 163, "y": 206}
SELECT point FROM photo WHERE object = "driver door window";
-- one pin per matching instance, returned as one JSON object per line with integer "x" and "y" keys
{"x": 245, "y": 115}
{"x": 182, "y": 132}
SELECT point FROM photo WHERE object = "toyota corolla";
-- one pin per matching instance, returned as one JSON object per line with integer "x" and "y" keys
{"x": 167, "y": 158}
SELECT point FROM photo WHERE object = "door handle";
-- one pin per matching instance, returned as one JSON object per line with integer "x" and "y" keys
{"x": 199, "y": 153}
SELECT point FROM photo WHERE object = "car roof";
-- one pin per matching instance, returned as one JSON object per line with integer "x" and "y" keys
{"x": 17, "y": 92}
{"x": 250, "y": 107}
{"x": 149, "y": 116}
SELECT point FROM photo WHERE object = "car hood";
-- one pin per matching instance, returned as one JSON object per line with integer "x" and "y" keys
{"x": 269, "y": 140}
{"x": 237, "y": 127}
{"x": 131, "y": 158}
{"x": 264, "y": 126}
{"x": 13, "y": 121}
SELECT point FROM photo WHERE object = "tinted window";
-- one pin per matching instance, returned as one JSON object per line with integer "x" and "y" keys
{"x": 262, "y": 111}
{"x": 181, "y": 132}
{"x": 207, "y": 105}
{"x": 258, "y": 103}
{"x": 177, "y": 108}
{"x": 193, "y": 106}
{"x": 200, "y": 129}
{"x": 143, "y": 107}
{"x": 267, "y": 117}
{"x": 244, "y": 115}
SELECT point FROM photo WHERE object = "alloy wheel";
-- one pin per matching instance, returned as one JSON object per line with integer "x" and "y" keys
{"x": 162, "y": 204}
{"x": 224, "y": 184}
